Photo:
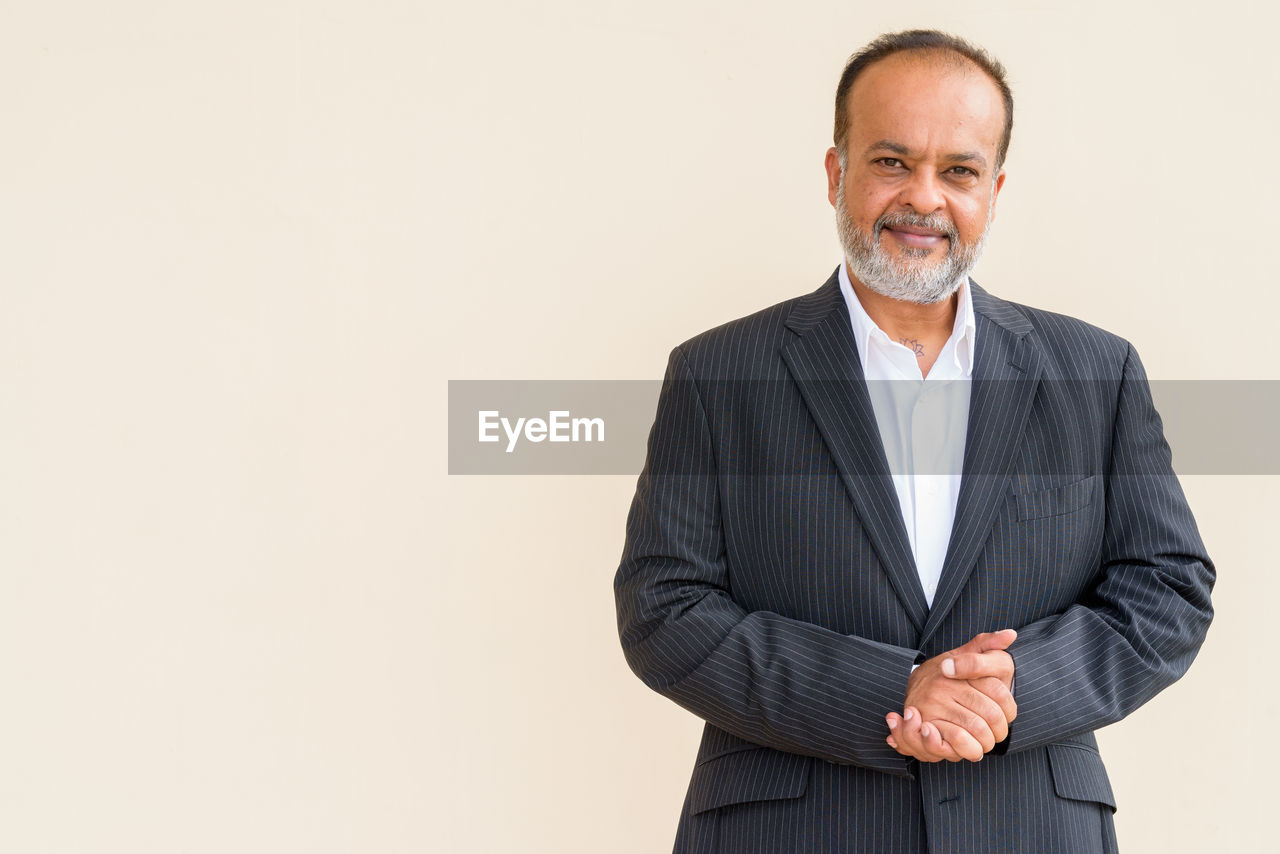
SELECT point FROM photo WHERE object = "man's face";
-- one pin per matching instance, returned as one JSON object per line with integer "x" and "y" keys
{"x": 919, "y": 188}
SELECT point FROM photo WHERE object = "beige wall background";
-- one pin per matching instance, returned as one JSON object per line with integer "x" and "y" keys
{"x": 243, "y": 247}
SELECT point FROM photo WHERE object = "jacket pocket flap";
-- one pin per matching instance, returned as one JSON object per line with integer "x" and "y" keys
{"x": 760, "y": 774}
{"x": 1056, "y": 501}
{"x": 1078, "y": 774}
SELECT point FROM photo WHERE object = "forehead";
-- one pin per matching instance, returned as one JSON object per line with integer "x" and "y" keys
{"x": 926, "y": 103}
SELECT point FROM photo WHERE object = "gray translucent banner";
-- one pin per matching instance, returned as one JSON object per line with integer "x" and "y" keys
{"x": 601, "y": 426}
{"x": 549, "y": 426}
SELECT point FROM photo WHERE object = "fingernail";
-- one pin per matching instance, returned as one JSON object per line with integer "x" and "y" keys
{"x": 949, "y": 667}
{"x": 893, "y": 723}
{"x": 924, "y": 730}
{"x": 907, "y": 715}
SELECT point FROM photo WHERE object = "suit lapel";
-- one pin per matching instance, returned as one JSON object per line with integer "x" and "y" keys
{"x": 1005, "y": 378}
{"x": 823, "y": 360}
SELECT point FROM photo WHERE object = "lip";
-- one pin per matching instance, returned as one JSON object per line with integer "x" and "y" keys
{"x": 921, "y": 238}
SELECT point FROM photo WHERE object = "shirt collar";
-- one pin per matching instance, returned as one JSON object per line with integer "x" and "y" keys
{"x": 963, "y": 332}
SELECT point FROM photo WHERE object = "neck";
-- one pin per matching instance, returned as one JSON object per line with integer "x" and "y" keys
{"x": 912, "y": 320}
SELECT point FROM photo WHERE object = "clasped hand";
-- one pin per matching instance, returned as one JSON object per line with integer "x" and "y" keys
{"x": 959, "y": 704}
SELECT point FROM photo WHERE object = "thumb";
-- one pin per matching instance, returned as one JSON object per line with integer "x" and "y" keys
{"x": 989, "y": 641}
{"x": 976, "y": 665}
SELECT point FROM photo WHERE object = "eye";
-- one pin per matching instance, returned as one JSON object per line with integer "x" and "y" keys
{"x": 891, "y": 162}
{"x": 963, "y": 172}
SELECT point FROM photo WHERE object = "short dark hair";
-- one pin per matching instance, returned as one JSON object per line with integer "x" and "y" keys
{"x": 924, "y": 41}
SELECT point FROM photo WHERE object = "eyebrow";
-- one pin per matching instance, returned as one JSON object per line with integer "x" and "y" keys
{"x": 967, "y": 157}
{"x": 889, "y": 145}
{"x": 900, "y": 149}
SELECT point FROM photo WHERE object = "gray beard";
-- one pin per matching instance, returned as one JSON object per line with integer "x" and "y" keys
{"x": 919, "y": 281}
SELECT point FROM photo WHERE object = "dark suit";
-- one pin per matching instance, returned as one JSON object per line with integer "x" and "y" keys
{"x": 767, "y": 584}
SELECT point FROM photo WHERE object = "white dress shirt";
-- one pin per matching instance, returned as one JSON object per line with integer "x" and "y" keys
{"x": 922, "y": 422}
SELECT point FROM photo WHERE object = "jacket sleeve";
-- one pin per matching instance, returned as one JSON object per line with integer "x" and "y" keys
{"x": 1141, "y": 625}
{"x": 771, "y": 680}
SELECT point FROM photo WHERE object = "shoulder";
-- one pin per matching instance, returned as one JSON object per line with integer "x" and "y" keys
{"x": 1077, "y": 347}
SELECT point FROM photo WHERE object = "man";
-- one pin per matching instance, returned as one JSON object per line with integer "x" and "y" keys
{"x": 904, "y": 545}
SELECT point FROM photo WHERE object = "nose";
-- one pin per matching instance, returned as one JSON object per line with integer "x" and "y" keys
{"x": 922, "y": 192}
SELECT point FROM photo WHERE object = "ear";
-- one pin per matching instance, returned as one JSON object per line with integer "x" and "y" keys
{"x": 995, "y": 193}
{"x": 834, "y": 175}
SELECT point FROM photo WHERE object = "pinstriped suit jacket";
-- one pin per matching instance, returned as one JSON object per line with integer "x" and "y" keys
{"x": 767, "y": 584}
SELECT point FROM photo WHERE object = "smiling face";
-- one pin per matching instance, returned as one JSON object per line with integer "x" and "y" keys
{"x": 918, "y": 189}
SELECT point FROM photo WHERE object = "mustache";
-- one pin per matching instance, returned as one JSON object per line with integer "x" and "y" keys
{"x": 933, "y": 222}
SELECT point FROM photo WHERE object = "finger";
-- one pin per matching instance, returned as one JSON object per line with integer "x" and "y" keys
{"x": 989, "y": 641}
{"x": 934, "y": 743}
{"x": 999, "y": 692}
{"x": 907, "y": 735}
{"x": 895, "y": 738}
{"x": 969, "y": 709}
{"x": 962, "y": 744}
{"x": 987, "y": 719}
{"x": 934, "y": 746}
{"x": 911, "y": 739}
{"x": 976, "y": 665}
{"x": 973, "y": 720}
{"x": 934, "y": 740}
{"x": 947, "y": 707}
{"x": 894, "y": 720}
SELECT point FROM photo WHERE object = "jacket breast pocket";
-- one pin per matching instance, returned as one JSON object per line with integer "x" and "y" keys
{"x": 1057, "y": 500}
{"x": 752, "y": 774}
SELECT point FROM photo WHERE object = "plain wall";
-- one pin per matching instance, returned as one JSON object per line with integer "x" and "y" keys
{"x": 245, "y": 245}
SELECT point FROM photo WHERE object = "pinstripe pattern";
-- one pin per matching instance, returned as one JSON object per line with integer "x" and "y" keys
{"x": 768, "y": 587}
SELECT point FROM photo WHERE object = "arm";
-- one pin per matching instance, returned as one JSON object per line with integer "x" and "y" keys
{"x": 775, "y": 681}
{"x": 1142, "y": 624}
